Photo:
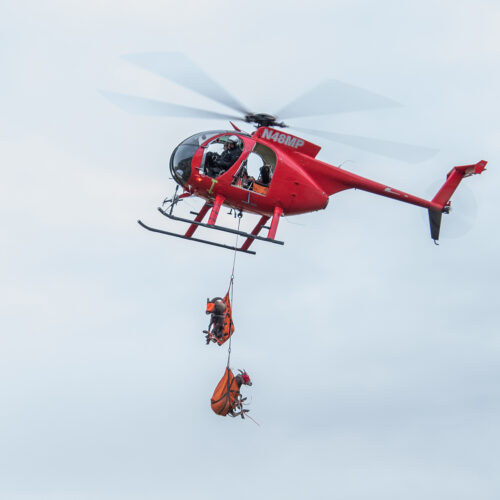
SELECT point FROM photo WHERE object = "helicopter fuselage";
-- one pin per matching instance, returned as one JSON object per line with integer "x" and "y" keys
{"x": 289, "y": 186}
{"x": 287, "y": 179}
{"x": 273, "y": 173}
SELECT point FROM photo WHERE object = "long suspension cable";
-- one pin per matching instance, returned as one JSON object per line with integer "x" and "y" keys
{"x": 231, "y": 286}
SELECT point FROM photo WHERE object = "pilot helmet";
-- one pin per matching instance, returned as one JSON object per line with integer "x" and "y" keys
{"x": 233, "y": 139}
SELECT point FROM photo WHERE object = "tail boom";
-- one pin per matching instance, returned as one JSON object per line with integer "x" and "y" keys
{"x": 333, "y": 179}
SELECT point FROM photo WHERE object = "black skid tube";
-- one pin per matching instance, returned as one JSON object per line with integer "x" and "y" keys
{"x": 168, "y": 233}
{"x": 220, "y": 228}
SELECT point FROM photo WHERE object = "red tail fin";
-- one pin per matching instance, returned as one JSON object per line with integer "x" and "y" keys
{"x": 442, "y": 198}
{"x": 453, "y": 180}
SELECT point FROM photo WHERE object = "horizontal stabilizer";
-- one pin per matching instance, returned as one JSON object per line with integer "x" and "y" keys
{"x": 453, "y": 180}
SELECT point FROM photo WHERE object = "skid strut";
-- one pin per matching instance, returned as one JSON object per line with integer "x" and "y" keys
{"x": 215, "y": 210}
{"x": 192, "y": 228}
{"x": 255, "y": 232}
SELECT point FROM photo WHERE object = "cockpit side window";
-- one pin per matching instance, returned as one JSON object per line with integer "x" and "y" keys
{"x": 256, "y": 172}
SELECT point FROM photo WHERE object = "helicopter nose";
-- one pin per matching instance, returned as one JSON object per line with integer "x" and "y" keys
{"x": 180, "y": 162}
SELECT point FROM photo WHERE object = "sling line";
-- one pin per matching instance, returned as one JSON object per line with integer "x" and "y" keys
{"x": 231, "y": 286}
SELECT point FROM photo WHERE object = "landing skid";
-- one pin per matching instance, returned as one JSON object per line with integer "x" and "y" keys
{"x": 220, "y": 245}
{"x": 197, "y": 222}
{"x": 220, "y": 228}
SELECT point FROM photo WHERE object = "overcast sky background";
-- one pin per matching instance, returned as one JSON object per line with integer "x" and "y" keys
{"x": 373, "y": 352}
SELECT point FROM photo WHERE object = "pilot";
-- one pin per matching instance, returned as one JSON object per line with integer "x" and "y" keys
{"x": 218, "y": 164}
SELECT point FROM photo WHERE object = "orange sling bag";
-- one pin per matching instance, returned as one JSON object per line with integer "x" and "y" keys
{"x": 228, "y": 328}
{"x": 225, "y": 394}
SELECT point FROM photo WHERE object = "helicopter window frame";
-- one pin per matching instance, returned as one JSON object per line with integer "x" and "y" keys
{"x": 212, "y": 140}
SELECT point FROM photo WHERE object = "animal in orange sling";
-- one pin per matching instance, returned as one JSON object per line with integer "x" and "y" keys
{"x": 226, "y": 399}
{"x": 221, "y": 325}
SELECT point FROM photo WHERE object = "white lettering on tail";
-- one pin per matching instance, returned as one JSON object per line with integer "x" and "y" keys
{"x": 267, "y": 134}
{"x": 280, "y": 138}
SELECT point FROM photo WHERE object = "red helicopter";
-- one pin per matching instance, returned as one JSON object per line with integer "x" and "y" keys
{"x": 274, "y": 173}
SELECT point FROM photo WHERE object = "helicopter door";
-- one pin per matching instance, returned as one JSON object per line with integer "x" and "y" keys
{"x": 256, "y": 172}
{"x": 218, "y": 158}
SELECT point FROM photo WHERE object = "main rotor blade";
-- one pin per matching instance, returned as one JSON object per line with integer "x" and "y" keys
{"x": 332, "y": 97}
{"x": 399, "y": 151}
{"x": 180, "y": 69}
{"x": 143, "y": 106}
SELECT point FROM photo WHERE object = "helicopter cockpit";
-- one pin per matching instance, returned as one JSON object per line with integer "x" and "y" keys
{"x": 180, "y": 161}
{"x": 215, "y": 152}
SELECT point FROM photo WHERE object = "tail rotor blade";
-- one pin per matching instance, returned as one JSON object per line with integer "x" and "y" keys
{"x": 180, "y": 69}
{"x": 152, "y": 107}
{"x": 399, "y": 151}
{"x": 332, "y": 97}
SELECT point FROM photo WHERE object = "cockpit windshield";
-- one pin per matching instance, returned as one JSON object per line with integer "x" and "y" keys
{"x": 180, "y": 161}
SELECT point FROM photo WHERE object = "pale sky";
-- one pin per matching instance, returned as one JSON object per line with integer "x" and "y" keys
{"x": 373, "y": 352}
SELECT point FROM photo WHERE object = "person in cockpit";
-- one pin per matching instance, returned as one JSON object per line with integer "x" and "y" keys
{"x": 216, "y": 164}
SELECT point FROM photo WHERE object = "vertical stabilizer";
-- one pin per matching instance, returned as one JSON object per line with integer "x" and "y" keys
{"x": 435, "y": 223}
{"x": 442, "y": 198}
